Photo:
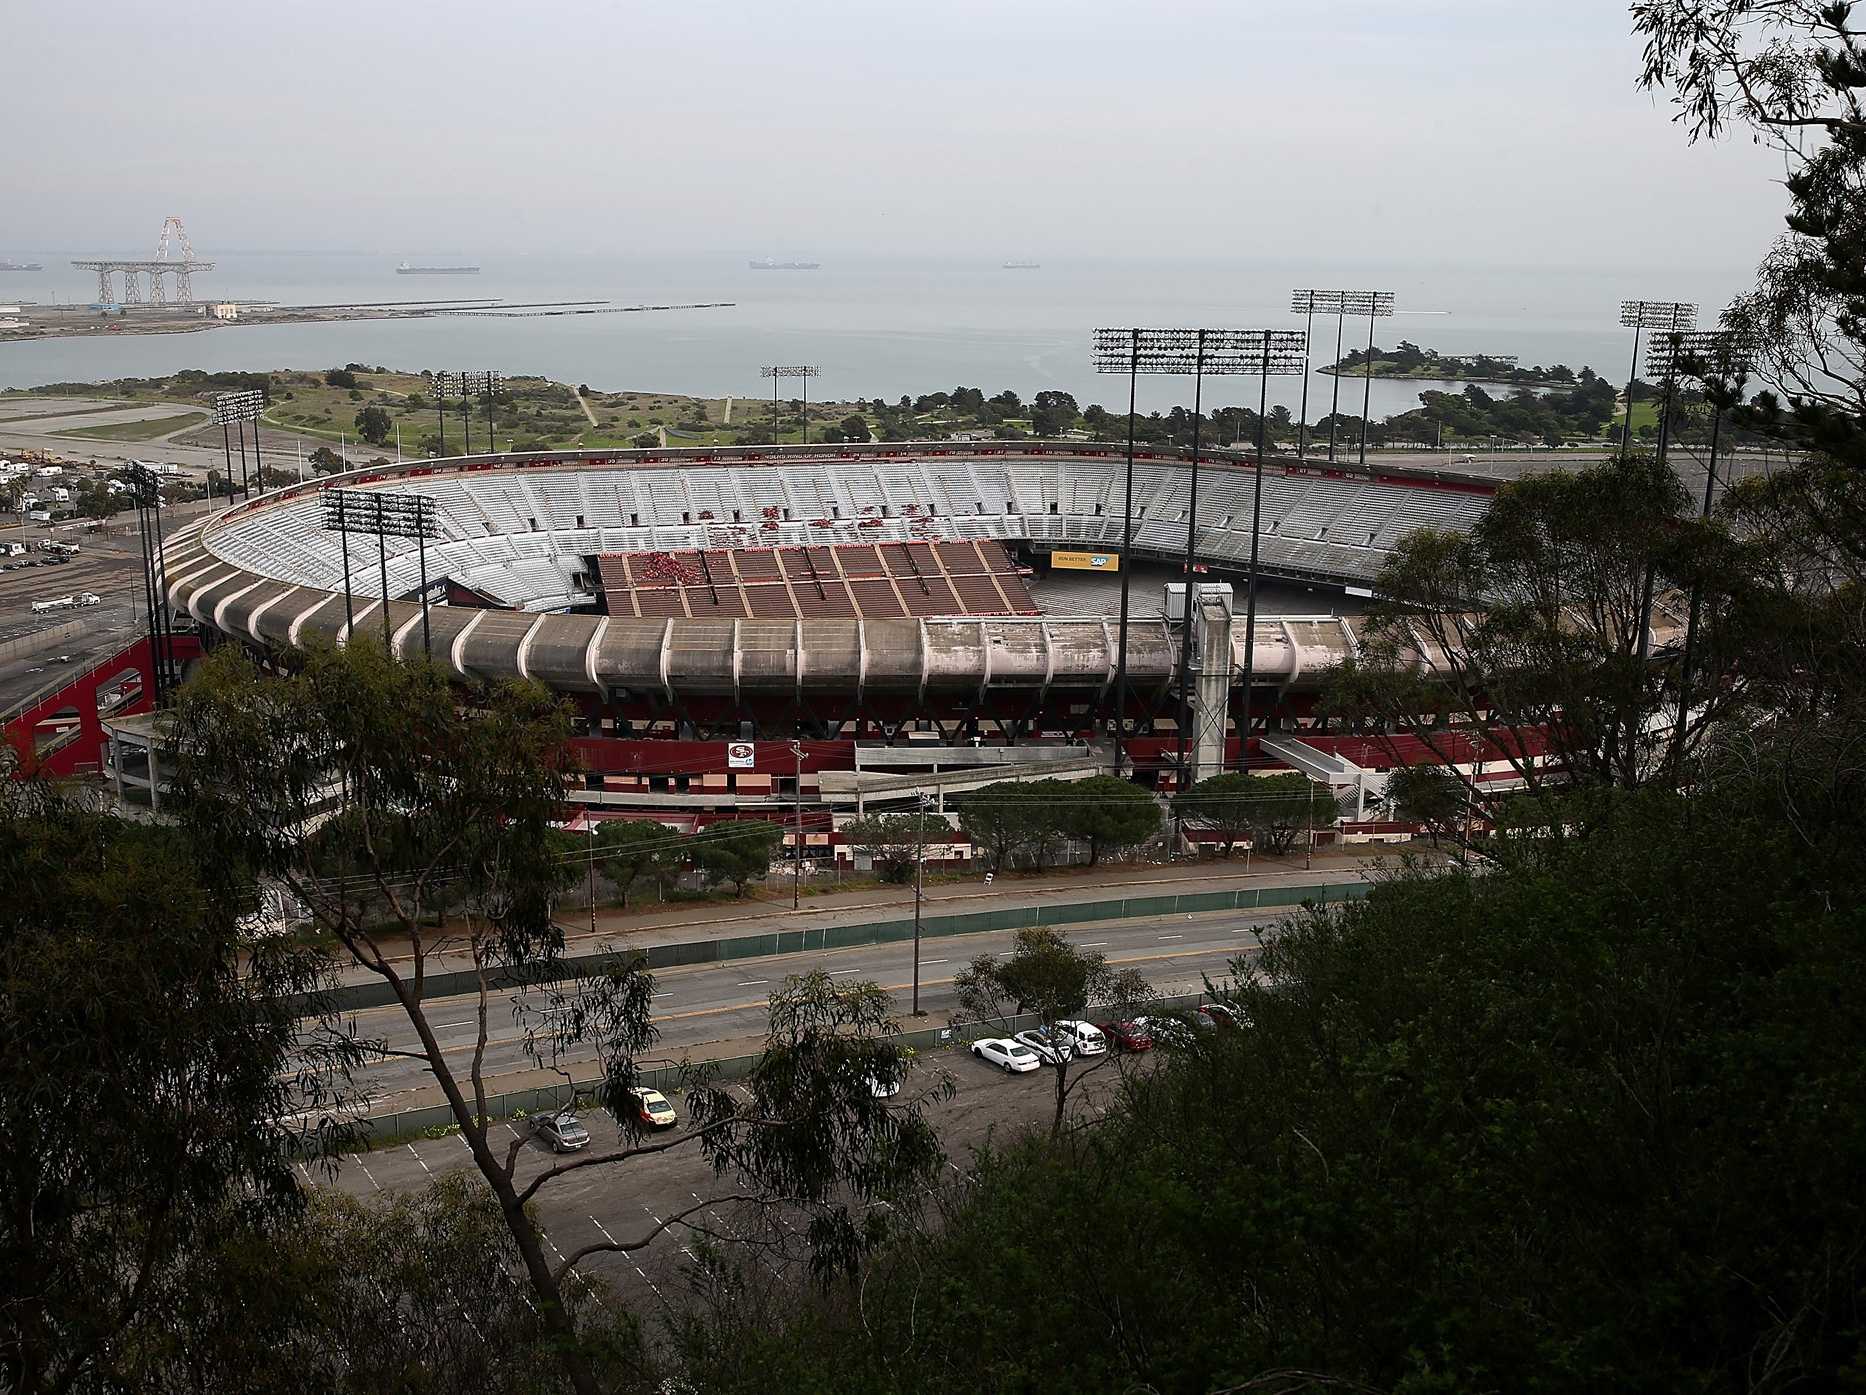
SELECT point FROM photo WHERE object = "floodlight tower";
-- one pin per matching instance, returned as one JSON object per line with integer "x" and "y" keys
{"x": 444, "y": 383}
{"x": 1303, "y": 303}
{"x": 1374, "y": 305}
{"x": 1179, "y": 352}
{"x": 1279, "y": 352}
{"x": 1668, "y": 316}
{"x": 485, "y": 384}
{"x": 238, "y": 408}
{"x": 1721, "y": 361}
{"x": 803, "y": 372}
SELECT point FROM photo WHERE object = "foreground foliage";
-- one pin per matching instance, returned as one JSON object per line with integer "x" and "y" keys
{"x": 1557, "y": 1127}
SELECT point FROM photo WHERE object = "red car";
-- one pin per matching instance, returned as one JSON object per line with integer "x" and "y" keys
{"x": 1127, "y": 1036}
{"x": 1227, "y": 1016}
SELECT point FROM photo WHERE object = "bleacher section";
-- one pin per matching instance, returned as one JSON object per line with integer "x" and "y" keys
{"x": 522, "y": 534}
{"x": 872, "y": 581}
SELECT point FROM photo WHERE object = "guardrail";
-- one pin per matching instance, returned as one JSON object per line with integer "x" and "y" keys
{"x": 389, "y": 1130}
{"x": 356, "y": 996}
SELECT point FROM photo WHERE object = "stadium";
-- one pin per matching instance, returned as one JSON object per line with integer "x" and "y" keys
{"x": 847, "y": 626}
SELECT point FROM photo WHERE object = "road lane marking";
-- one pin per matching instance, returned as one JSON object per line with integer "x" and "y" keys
{"x": 753, "y": 982}
{"x": 1172, "y": 937}
{"x": 1092, "y": 944}
{"x": 357, "y": 1158}
{"x": 838, "y": 973}
{"x": 418, "y": 1158}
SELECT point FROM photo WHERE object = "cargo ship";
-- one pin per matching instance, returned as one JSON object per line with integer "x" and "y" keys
{"x": 766, "y": 264}
{"x": 406, "y": 270}
{"x": 20, "y": 266}
{"x": 1023, "y": 266}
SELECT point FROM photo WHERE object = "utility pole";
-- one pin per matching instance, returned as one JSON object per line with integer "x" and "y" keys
{"x": 920, "y": 858}
{"x": 796, "y": 866}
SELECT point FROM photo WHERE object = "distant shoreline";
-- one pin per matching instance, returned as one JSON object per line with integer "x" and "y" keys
{"x": 1336, "y": 371}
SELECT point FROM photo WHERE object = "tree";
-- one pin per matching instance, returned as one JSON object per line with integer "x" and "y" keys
{"x": 895, "y": 842}
{"x": 1427, "y": 794}
{"x": 1270, "y": 810}
{"x": 645, "y": 440}
{"x": 1001, "y": 820}
{"x": 374, "y": 426}
{"x": 417, "y": 1290}
{"x": 1046, "y": 976}
{"x": 626, "y": 849}
{"x": 1107, "y": 813}
{"x": 149, "y": 1067}
{"x": 1526, "y": 640}
{"x": 854, "y": 427}
{"x": 340, "y": 378}
{"x": 326, "y": 461}
{"x": 451, "y": 795}
{"x": 1791, "y": 73}
{"x": 738, "y": 852}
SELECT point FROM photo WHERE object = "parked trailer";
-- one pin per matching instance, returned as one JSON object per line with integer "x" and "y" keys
{"x": 47, "y": 607}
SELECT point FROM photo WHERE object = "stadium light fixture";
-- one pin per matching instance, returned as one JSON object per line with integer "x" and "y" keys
{"x": 1342, "y": 304}
{"x": 486, "y": 385}
{"x": 1281, "y": 352}
{"x": 1199, "y": 352}
{"x": 1670, "y": 316}
{"x": 387, "y": 514}
{"x": 803, "y": 372}
{"x": 444, "y": 383}
{"x": 146, "y": 495}
{"x": 238, "y": 408}
{"x": 1721, "y": 361}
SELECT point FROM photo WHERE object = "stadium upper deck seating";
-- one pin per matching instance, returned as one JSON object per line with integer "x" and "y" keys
{"x": 522, "y": 536}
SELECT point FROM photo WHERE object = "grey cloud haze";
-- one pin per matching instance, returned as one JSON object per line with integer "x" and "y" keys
{"x": 1488, "y": 131}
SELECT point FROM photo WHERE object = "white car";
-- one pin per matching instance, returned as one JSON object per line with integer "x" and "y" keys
{"x": 1011, "y": 1057}
{"x": 1089, "y": 1039}
{"x": 1051, "y": 1053}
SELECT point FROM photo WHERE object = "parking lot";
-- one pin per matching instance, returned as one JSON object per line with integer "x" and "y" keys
{"x": 623, "y": 1202}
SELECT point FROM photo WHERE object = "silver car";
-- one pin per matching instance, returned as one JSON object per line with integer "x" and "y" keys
{"x": 562, "y": 1130}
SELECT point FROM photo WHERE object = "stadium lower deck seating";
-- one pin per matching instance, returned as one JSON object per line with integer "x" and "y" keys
{"x": 525, "y": 537}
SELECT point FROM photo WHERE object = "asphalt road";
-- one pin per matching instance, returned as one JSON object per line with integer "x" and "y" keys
{"x": 622, "y": 1203}
{"x": 705, "y": 1003}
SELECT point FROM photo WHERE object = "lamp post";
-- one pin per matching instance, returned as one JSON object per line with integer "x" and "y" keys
{"x": 1198, "y": 352}
{"x": 1341, "y": 304}
{"x": 803, "y": 372}
{"x": 1374, "y": 305}
{"x": 796, "y": 865}
{"x": 1668, "y": 316}
{"x": 920, "y": 857}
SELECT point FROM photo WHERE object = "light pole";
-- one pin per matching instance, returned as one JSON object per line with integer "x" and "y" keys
{"x": 803, "y": 372}
{"x": 1669, "y": 316}
{"x": 231, "y": 408}
{"x": 396, "y": 514}
{"x": 485, "y": 384}
{"x": 1720, "y": 359}
{"x": 1374, "y": 305}
{"x": 1279, "y": 352}
{"x": 1200, "y": 353}
{"x": 443, "y": 382}
{"x": 1303, "y": 303}
{"x": 920, "y": 857}
{"x": 1118, "y": 351}
{"x": 796, "y": 866}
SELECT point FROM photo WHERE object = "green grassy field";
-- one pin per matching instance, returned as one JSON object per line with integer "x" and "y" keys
{"x": 138, "y": 430}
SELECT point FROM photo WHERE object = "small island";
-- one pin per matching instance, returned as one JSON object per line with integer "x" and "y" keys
{"x": 1411, "y": 361}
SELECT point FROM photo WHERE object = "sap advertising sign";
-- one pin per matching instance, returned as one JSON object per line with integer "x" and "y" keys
{"x": 1086, "y": 561}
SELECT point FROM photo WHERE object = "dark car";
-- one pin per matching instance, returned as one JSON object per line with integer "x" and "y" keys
{"x": 1127, "y": 1036}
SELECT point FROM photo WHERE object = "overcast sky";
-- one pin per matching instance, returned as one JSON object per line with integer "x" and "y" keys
{"x": 1493, "y": 131}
